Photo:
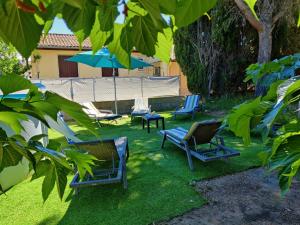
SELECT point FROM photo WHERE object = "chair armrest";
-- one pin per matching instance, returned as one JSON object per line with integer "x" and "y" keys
{"x": 105, "y": 111}
{"x": 92, "y": 115}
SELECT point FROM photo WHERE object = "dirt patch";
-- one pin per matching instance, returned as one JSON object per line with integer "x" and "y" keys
{"x": 250, "y": 197}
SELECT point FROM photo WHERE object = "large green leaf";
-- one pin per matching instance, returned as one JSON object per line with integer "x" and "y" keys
{"x": 49, "y": 182}
{"x": 55, "y": 156}
{"x": 299, "y": 20}
{"x": 8, "y": 156}
{"x": 61, "y": 179}
{"x": 251, "y": 4}
{"x": 122, "y": 43}
{"x": 164, "y": 45}
{"x": 284, "y": 157}
{"x": 10, "y": 122}
{"x": 75, "y": 3}
{"x": 190, "y": 10}
{"x": 80, "y": 21}
{"x": 108, "y": 12}
{"x": 73, "y": 109}
{"x": 19, "y": 28}
{"x": 18, "y": 143}
{"x": 42, "y": 168}
{"x": 144, "y": 35}
{"x": 12, "y": 83}
{"x": 99, "y": 37}
{"x": 153, "y": 9}
{"x": 83, "y": 161}
{"x": 168, "y": 6}
{"x": 239, "y": 120}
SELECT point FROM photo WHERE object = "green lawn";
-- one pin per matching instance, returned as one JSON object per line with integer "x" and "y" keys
{"x": 158, "y": 183}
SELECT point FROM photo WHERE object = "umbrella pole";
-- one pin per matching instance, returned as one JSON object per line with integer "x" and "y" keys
{"x": 115, "y": 89}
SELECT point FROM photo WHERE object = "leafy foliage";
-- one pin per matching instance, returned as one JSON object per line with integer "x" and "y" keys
{"x": 22, "y": 23}
{"x": 267, "y": 73}
{"x": 213, "y": 53}
{"x": 261, "y": 115}
{"x": 50, "y": 162}
{"x": 9, "y": 62}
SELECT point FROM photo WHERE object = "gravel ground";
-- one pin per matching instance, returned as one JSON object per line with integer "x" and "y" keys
{"x": 249, "y": 197}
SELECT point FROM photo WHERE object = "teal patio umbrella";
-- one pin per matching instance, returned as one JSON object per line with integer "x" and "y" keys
{"x": 103, "y": 58}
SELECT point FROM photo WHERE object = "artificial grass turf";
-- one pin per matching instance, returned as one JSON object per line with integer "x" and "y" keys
{"x": 158, "y": 183}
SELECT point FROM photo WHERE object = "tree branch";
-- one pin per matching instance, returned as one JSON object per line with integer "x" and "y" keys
{"x": 249, "y": 15}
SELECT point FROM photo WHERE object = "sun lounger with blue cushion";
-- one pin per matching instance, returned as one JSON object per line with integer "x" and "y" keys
{"x": 191, "y": 141}
{"x": 190, "y": 107}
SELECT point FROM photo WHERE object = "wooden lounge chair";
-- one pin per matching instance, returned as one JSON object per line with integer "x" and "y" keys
{"x": 111, "y": 168}
{"x": 99, "y": 114}
{"x": 140, "y": 107}
{"x": 200, "y": 133}
{"x": 190, "y": 107}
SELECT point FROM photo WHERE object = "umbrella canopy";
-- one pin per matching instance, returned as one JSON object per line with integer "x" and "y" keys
{"x": 103, "y": 58}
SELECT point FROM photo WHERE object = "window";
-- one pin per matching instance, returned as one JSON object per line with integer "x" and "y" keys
{"x": 108, "y": 72}
{"x": 67, "y": 69}
{"x": 156, "y": 71}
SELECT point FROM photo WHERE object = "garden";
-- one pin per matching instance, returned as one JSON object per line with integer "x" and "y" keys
{"x": 238, "y": 128}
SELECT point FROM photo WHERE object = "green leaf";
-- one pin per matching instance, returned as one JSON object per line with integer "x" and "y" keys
{"x": 108, "y": 12}
{"x": 168, "y": 6}
{"x": 83, "y": 161}
{"x": 99, "y": 37}
{"x": 42, "y": 168}
{"x": 153, "y": 9}
{"x": 251, "y": 4}
{"x": 19, "y": 28}
{"x": 10, "y": 122}
{"x": 284, "y": 158}
{"x": 189, "y": 11}
{"x": 164, "y": 45}
{"x": 299, "y": 20}
{"x": 144, "y": 35}
{"x": 239, "y": 120}
{"x": 61, "y": 179}
{"x": 12, "y": 83}
{"x": 55, "y": 156}
{"x": 22, "y": 150}
{"x": 272, "y": 93}
{"x": 75, "y": 3}
{"x": 73, "y": 110}
{"x": 49, "y": 182}
{"x": 80, "y": 20}
{"x": 48, "y": 26}
{"x": 9, "y": 156}
{"x": 122, "y": 43}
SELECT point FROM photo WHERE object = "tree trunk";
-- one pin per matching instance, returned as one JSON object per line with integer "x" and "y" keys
{"x": 265, "y": 44}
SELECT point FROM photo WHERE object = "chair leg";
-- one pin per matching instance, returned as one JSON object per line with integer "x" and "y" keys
{"x": 124, "y": 175}
{"x": 163, "y": 141}
{"x": 189, "y": 157}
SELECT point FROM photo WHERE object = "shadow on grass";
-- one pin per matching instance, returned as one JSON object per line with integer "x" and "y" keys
{"x": 158, "y": 180}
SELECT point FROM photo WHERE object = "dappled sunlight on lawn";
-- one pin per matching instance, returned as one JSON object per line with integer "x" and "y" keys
{"x": 158, "y": 181}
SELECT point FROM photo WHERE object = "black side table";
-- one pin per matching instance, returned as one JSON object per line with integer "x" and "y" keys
{"x": 153, "y": 117}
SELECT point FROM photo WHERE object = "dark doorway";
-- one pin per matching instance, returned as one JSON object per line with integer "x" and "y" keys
{"x": 108, "y": 72}
{"x": 67, "y": 69}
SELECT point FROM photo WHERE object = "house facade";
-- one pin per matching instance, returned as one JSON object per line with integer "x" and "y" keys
{"x": 48, "y": 61}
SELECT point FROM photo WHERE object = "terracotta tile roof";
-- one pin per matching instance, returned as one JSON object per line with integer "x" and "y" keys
{"x": 62, "y": 41}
